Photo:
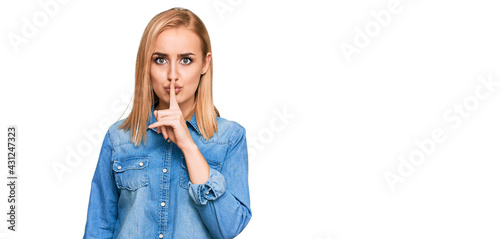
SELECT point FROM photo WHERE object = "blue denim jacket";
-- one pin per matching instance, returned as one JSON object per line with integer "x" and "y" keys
{"x": 144, "y": 191}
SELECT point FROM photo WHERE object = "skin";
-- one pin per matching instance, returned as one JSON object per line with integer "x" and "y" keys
{"x": 178, "y": 60}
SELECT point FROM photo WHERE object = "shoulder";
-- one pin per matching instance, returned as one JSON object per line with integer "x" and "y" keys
{"x": 230, "y": 129}
{"x": 116, "y": 134}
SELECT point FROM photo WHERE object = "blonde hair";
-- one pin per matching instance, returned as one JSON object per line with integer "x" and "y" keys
{"x": 144, "y": 96}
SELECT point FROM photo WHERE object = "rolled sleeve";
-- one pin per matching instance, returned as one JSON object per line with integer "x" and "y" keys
{"x": 224, "y": 200}
{"x": 214, "y": 188}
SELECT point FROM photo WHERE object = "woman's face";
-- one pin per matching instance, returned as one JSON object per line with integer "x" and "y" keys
{"x": 177, "y": 55}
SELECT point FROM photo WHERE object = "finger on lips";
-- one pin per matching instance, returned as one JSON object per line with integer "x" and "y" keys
{"x": 173, "y": 100}
{"x": 173, "y": 105}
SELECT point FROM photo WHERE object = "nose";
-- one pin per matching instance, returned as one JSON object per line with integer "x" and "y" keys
{"x": 172, "y": 73}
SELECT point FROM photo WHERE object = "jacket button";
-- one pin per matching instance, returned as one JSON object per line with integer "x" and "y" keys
{"x": 119, "y": 167}
{"x": 161, "y": 235}
{"x": 162, "y": 204}
{"x": 168, "y": 140}
{"x": 141, "y": 164}
{"x": 164, "y": 170}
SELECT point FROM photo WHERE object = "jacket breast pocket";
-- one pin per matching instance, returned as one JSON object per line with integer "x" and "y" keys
{"x": 131, "y": 173}
{"x": 184, "y": 174}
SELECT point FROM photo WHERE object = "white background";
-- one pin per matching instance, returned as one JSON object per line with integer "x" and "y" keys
{"x": 320, "y": 173}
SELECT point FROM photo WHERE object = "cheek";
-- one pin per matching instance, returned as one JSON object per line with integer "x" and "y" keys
{"x": 191, "y": 79}
{"x": 155, "y": 80}
{"x": 157, "y": 73}
{"x": 191, "y": 73}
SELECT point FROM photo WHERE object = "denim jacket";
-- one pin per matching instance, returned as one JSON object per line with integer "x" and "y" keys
{"x": 144, "y": 191}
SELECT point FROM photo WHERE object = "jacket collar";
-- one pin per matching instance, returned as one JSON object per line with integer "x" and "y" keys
{"x": 191, "y": 122}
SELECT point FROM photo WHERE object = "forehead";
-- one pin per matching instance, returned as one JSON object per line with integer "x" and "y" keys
{"x": 178, "y": 40}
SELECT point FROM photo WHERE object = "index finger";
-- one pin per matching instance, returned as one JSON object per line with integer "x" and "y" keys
{"x": 173, "y": 100}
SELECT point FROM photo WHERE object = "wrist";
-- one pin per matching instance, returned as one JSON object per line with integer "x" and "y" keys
{"x": 189, "y": 148}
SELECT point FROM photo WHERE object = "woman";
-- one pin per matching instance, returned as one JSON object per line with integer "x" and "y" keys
{"x": 189, "y": 177}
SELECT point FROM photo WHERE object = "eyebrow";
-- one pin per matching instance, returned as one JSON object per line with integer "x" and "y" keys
{"x": 179, "y": 55}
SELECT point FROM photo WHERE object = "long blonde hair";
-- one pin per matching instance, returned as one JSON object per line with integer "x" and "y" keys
{"x": 144, "y": 96}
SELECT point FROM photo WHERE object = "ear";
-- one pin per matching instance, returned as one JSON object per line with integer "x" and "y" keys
{"x": 206, "y": 64}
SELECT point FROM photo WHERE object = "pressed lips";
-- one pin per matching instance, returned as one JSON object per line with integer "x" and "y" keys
{"x": 177, "y": 89}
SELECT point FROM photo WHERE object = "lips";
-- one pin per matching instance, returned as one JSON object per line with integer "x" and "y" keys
{"x": 177, "y": 90}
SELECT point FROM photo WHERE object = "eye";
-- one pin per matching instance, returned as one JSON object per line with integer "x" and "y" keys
{"x": 186, "y": 61}
{"x": 160, "y": 60}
